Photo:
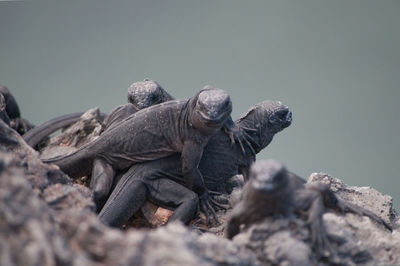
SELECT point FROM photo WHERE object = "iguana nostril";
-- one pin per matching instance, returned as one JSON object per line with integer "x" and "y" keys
{"x": 289, "y": 116}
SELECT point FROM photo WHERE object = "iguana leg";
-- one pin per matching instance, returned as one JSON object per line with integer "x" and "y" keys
{"x": 319, "y": 236}
{"x": 131, "y": 192}
{"x": 127, "y": 197}
{"x": 239, "y": 134}
{"x": 333, "y": 201}
{"x": 235, "y": 220}
{"x": 101, "y": 181}
{"x": 168, "y": 193}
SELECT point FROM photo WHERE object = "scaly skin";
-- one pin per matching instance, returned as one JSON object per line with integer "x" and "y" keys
{"x": 182, "y": 126}
{"x": 19, "y": 124}
{"x": 141, "y": 95}
{"x": 162, "y": 181}
{"x": 273, "y": 190}
{"x": 12, "y": 108}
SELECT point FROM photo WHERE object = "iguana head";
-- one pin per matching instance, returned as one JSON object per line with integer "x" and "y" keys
{"x": 212, "y": 108}
{"x": 7, "y": 134}
{"x": 143, "y": 94}
{"x": 268, "y": 177}
{"x": 12, "y": 108}
{"x": 267, "y": 118}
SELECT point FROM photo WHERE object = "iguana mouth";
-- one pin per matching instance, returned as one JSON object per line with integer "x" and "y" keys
{"x": 213, "y": 119}
{"x": 289, "y": 118}
{"x": 284, "y": 118}
{"x": 284, "y": 114}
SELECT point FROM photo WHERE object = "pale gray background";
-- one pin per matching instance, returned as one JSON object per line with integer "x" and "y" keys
{"x": 335, "y": 63}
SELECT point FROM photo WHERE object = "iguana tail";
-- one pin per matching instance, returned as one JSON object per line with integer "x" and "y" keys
{"x": 76, "y": 164}
{"x": 34, "y": 136}
{"x": 37, "y": 134}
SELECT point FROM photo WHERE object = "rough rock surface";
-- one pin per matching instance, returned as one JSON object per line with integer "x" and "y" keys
{"x": 45, "y": 219}
{"x": 32, "y": 233}
{"x": 85, "y": 130}
{"x": 56, "y": 226}
{"x": 384, "y": 246}
{"x": 367, "y": 197}
{"x": 23, "y": 156}
{"x": 356, "y": 239}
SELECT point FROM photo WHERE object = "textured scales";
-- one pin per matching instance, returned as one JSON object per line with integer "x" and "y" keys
{"x": 140, "y": 95}
{"x": 143, "y": 94}
{"x": 10, "y": 113}
{"x": 152, "y": 133}
{"x": 162, "y": 180}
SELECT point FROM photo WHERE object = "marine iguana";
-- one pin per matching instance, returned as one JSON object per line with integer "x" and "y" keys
{"x": 179, "y": 126}
{"x": 141, "y": 94}
{"x": 37, "y": 134}
{"x": 16, "y": 122}
{"x": 273, "y": 190}
{"x": 162, "y": 181}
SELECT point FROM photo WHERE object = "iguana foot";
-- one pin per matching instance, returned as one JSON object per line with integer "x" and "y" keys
{"x": 206, "y": 206}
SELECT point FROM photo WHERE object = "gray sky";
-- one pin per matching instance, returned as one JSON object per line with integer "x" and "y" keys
{"x": 336, "y": 64}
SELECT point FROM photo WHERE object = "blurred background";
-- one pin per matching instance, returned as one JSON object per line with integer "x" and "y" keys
{"x": 336, "y": 64}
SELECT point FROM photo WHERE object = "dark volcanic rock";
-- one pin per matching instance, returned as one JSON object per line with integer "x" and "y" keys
{"x": 55, "y": 226}
{"x": 62, "y": 197}
{"x": 31, "y": 233}
{"x": 40, "y": 175}
{"x": 28, "y": 233}
{"x": 45, "y": 219}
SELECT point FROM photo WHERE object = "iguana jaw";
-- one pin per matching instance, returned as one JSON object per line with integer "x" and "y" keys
{"x": 214, "y": 118}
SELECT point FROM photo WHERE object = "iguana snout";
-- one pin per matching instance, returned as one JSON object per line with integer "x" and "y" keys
{"x": 268, "y": 176}
{"x": 283, "y": 116}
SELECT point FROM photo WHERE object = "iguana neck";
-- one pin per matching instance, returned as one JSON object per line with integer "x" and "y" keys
{"x": 261, "y": 137}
